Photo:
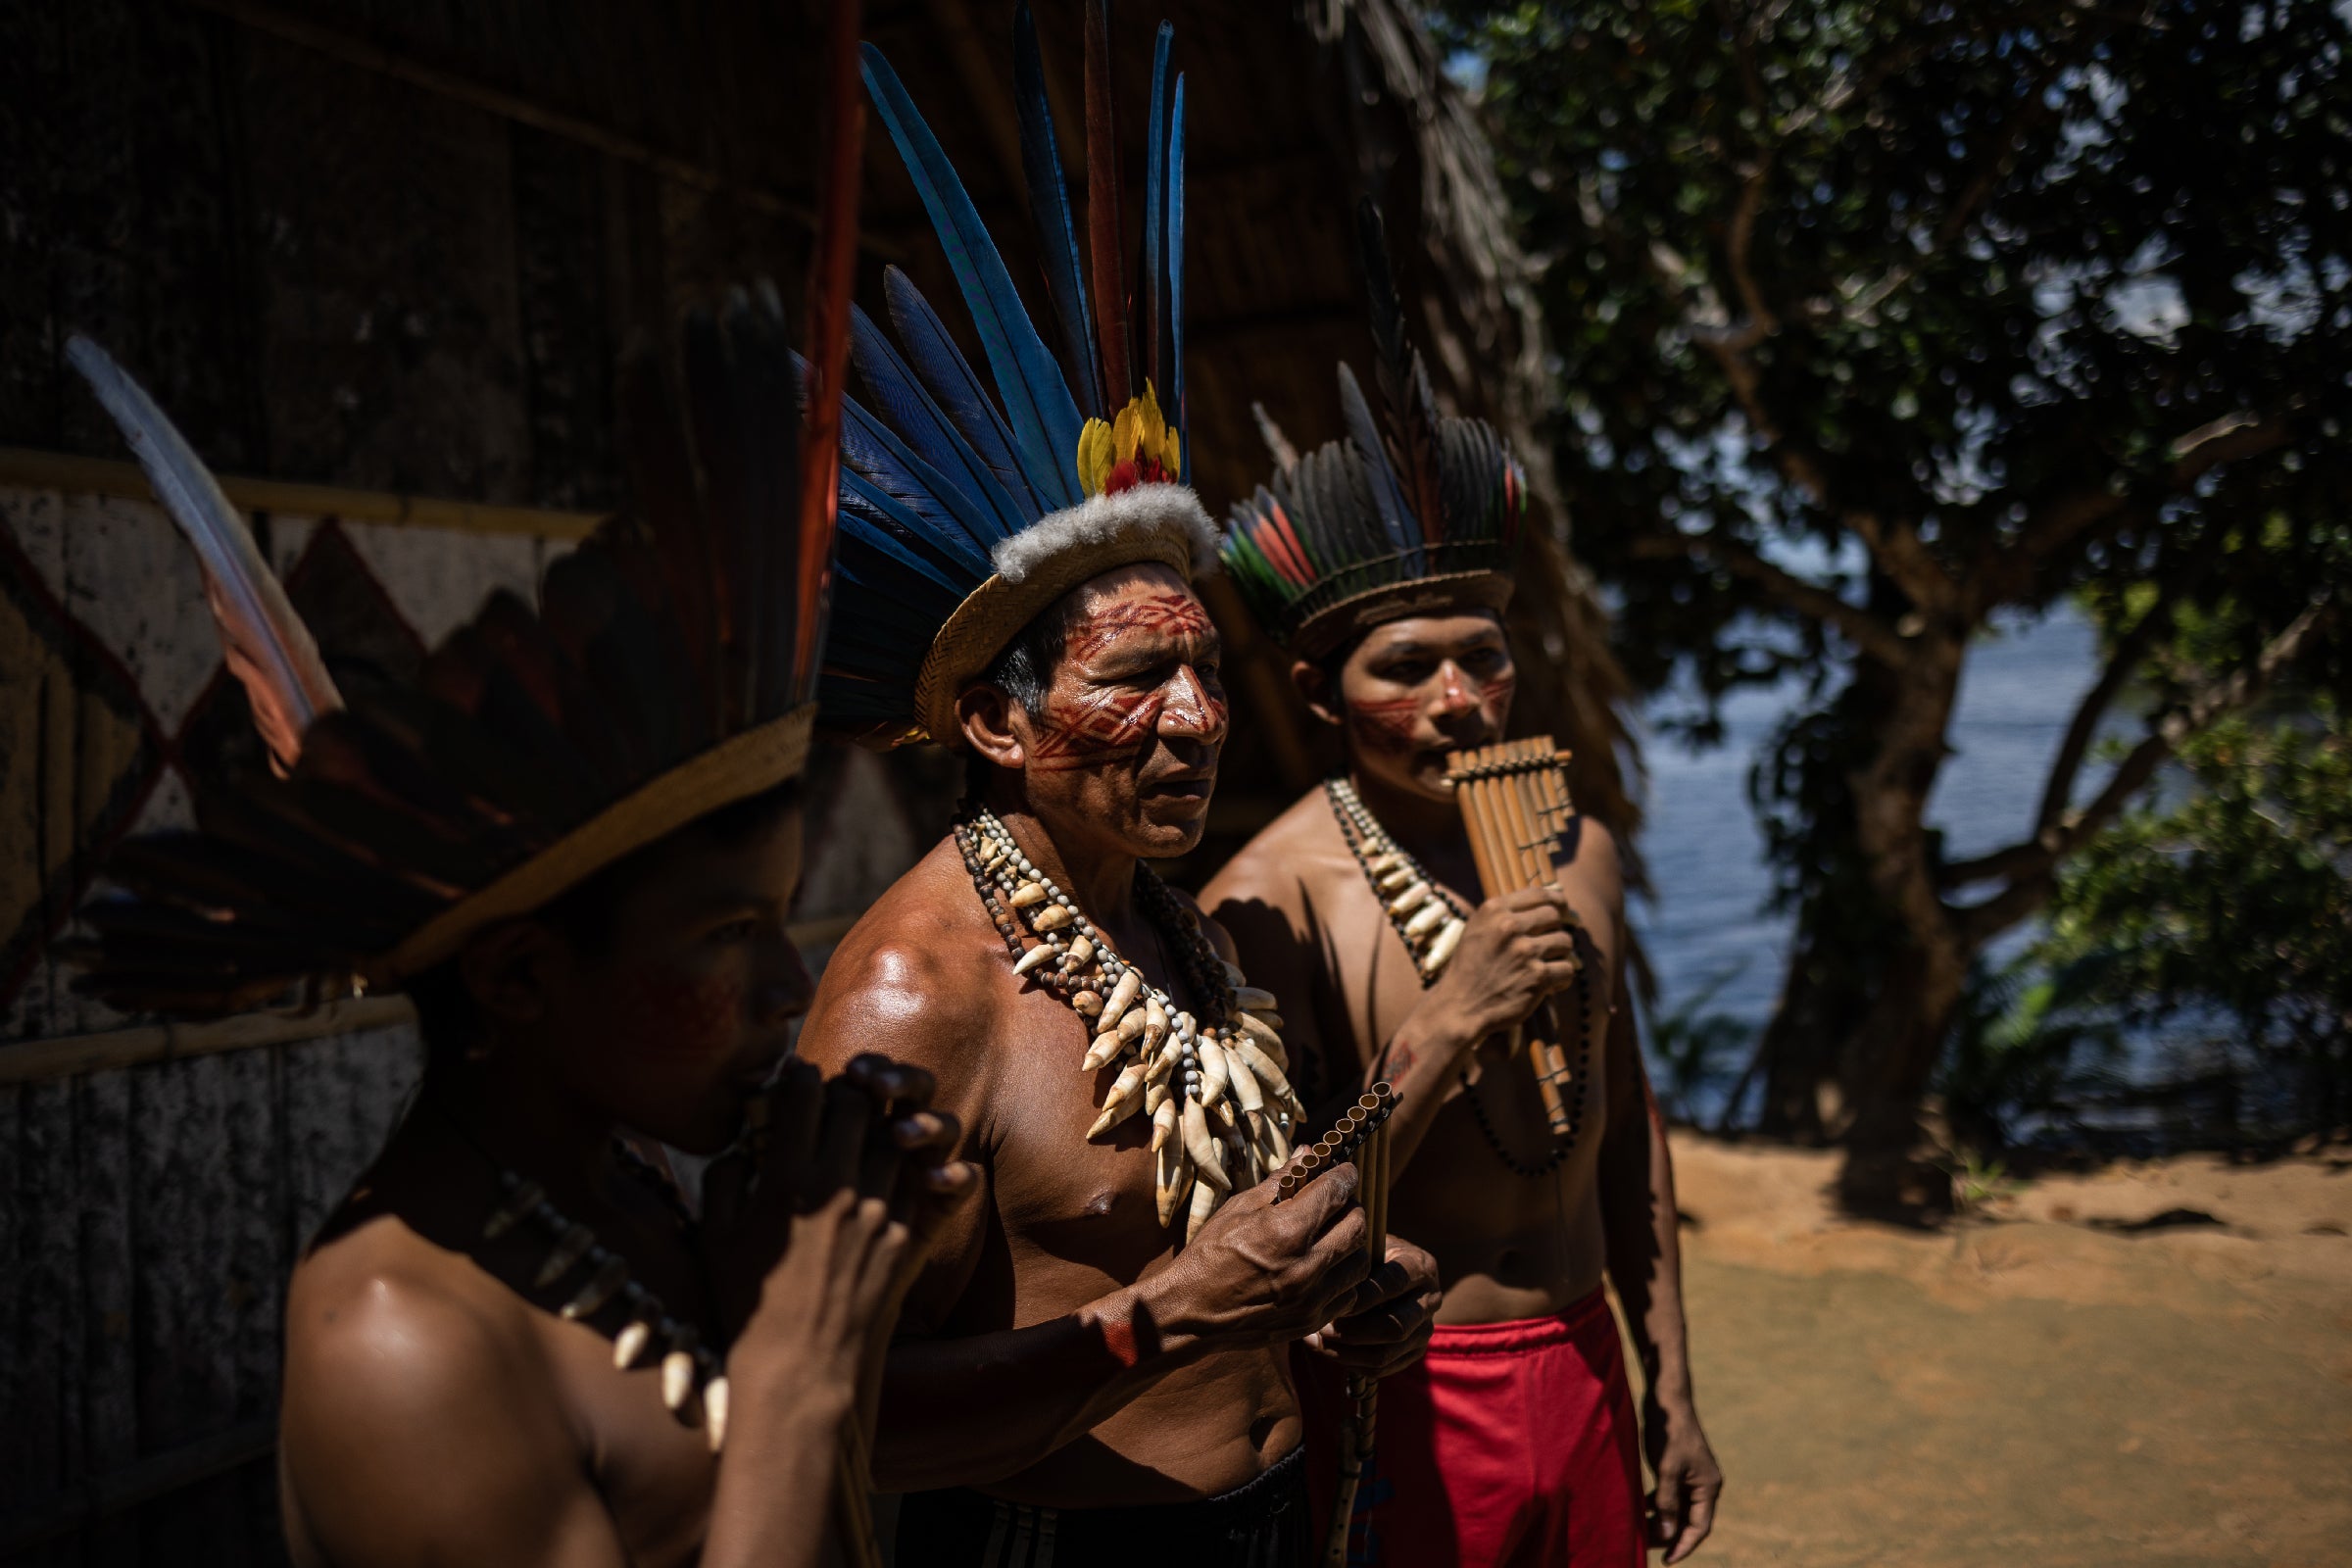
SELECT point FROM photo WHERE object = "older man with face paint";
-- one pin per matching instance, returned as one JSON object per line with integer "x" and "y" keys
{"x": 1515, "y": 1441}
{"x": 1094, "y": 1366}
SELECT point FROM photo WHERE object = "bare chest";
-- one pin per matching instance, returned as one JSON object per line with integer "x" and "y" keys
{"x": 1076, "y": 1215}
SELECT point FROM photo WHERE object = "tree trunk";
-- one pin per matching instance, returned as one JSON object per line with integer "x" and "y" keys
{"x": 1887, "y": 1060}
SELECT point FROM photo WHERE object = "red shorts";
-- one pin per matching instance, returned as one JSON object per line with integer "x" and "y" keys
{"x": 1510, "y": 1443}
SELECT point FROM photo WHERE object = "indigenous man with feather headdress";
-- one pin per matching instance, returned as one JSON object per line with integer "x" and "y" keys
{"x": 1094, "y": 1368}
{"x": 1381, "y": 564}
{"x": 575, "y": 843}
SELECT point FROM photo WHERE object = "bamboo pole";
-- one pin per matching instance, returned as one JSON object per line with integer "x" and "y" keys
{"x": 104, "y": 476}
{"x": 28, "y": 1061}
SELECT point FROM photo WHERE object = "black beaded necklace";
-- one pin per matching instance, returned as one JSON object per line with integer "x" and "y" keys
{"x": 689, "y": 1367}
{"x": 1384, "y": 861}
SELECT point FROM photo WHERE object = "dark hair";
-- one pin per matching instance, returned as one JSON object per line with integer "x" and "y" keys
{"x": 447, "y": 1015}
{"x": 1023, "y": 672}
{"x": 1025, "y": 668}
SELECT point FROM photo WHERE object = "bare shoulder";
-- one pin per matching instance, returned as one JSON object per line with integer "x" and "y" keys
{"x": 383, "y": 1325}
{"x": 916, "y": 978}
{"x": 1593, "y": 863}
{"x": 1285, "y": 864}
{"x": 423, "y": 1417}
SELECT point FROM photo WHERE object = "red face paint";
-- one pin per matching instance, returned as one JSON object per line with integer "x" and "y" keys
{"x": 1101, "y": 728}
{"x": 1177, "y": 616}
{"x": 1388, "y": 726}
{"x": 1095, "y": 731}
{"x": 674, "y": 1017}
{"x": 1495, "y": 699}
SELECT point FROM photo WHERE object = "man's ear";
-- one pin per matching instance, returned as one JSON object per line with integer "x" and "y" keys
{"x": 986, "y": 716}
{"x": 1316, "y": 687}
{"x": 509, "y": 972}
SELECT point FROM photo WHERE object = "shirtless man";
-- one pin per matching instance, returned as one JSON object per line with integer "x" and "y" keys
{"x": 1514, "y": 1441}
{"x": 440, "y": 1406}
{"x": 1061, "y": 1352}
{"x": 1102, "y": 1342}
{"x": 1521, "y": 1248}
{"x": 574, "y": 841}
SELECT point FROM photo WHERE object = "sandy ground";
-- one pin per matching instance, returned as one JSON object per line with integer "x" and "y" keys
{"x": 2149, "y": 1364}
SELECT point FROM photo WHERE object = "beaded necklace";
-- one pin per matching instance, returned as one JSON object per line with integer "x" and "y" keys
{"x": 1431, "y": 921}
{"x": 689, "y": 1368}
{"x": 1222, "y": 1109}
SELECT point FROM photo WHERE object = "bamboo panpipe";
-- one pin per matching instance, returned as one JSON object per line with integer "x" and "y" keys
{"x": 1339, "y": 1145}
{"x": 1363, "y": 1135}
{"x": 1514, "y": 801}
{"x": 856, "y": 1500}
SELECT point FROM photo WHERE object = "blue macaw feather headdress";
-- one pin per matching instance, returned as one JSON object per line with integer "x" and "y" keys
{"x": 1411, "y": 514}
{"x": 964, "y": 514}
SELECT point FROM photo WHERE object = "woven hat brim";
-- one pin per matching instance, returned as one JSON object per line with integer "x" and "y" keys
{"x": 1446, "y": 592}
{"x": 993, "y": 613}
{"x": 736, "y": 769}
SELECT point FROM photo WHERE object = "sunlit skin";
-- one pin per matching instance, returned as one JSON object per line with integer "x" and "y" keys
{"x": 1060, "y": 1350}
{"x": 1509, "y": 1248}
{"x": 436, "y": 1406}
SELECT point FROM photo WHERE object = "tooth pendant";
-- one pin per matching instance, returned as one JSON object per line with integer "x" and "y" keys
{"x": 1052, "y": 918}
{"x": 514, "y": 1212}
{"x": 1448, "y": 938}
{"x": 1122, "y": 997}
{"x": 572, "y": 1245}
{"x": 1411, "y": 898}
{"x": 600, "y": 1289}
{"x": 1426, "y": 920}
{"x": 1027, "y": 894}
{"x": 677, "y": 1370}
{"x": 714, "y": 1412}
{"x": 630, "y": 1343}
{"x": 1035, "y": 959}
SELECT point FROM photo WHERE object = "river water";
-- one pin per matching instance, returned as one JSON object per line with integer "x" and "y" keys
{"x": 1708, "y": 921}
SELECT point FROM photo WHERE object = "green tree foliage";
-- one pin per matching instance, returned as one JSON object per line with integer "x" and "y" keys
{"x": 2230, "y": 902}
{"x": 1877, "y": 321}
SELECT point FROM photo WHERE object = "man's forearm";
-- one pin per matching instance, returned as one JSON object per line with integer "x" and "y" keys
{"x": 1643, "y": 1242}
{"x": 1421, "y": 1060}
{"x": 969, "y": 1411}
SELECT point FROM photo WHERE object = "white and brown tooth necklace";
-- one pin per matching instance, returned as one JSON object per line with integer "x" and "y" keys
{"x": 1223, "y": 1112}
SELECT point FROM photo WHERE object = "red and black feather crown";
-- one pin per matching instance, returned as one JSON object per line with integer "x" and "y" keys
{"x": 1409, "y": 514}
{"x": 668, "y": 669}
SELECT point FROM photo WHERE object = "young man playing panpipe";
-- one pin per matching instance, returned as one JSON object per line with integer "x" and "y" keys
{"x": 1381, "y": 564}
{"x": 1094, "y": 1370}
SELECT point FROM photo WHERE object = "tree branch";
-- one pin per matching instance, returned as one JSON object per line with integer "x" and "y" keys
{"x": 1866, "y": 630}
{"x": 2030, "y": 864}
{"x": 2062, "y": 522}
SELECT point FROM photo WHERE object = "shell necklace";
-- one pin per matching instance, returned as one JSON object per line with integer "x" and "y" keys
{"x": 1222, "y": 1110}
{"x": 1431, "y": 921}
